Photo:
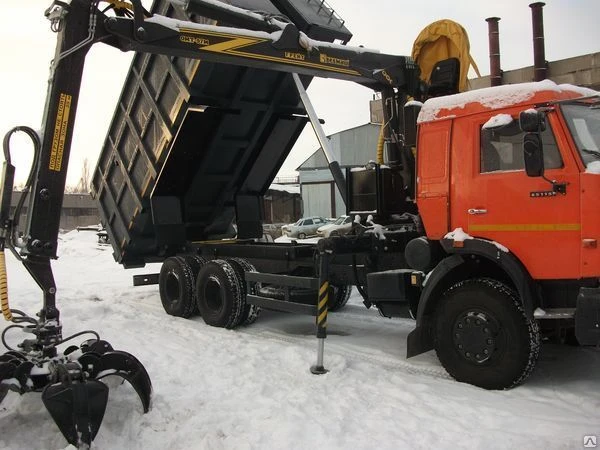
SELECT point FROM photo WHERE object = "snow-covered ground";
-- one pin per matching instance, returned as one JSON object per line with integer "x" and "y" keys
{"x": 251, "y": 388}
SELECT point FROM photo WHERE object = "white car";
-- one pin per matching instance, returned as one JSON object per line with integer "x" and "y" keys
{"x": 303, "y": 228}
{"x": 341, "y": 226}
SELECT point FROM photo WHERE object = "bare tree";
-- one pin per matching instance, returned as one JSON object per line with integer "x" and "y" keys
{"x": 84, "y": 185}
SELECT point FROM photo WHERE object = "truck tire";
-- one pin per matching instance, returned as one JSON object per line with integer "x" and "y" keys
{"x": 341, "y": 295}
{"x": 219, "y": 294}
{"x": 482, "y": 335}
{"x": 249, "y": 312}
{"x": 176, "y": 287}
{"x": 195, "y": 262}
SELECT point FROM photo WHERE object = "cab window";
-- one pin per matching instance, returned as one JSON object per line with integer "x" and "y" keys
{"x": 502, "y": 149}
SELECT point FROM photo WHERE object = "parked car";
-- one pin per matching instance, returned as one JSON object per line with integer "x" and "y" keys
{"x": 304, "y": 227}
{"x": 272, "y": 229}
{"x": 341, "y": 226}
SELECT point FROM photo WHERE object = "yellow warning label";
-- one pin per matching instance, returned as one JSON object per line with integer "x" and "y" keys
{"x": 60, "y": 132}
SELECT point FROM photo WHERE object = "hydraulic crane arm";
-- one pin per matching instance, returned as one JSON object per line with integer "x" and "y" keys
{"x": 287, "y": 50}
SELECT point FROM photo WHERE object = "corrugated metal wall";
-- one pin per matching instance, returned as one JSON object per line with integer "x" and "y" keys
{"x": 352, "y": 148}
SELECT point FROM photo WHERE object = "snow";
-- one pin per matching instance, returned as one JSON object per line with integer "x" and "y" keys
{"x": 176, "y": 24}
{"x": 499, "y": 120}
{"x": 501, "y": 247}
{"x": 494, "y": 97}
{"x": 251, "y": 388}
{"x": 310, "y": 44}
{"x": 458, "y": 235}
{"x": 593, "y": 167}
{"x": 413, "y": 103}
{"x": 292, "y": 189}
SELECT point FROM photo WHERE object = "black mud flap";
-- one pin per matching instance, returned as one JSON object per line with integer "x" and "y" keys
{"x": 587, "y": 316}
{"x": 128, "y": 367}
{"x": 77, "y": 408}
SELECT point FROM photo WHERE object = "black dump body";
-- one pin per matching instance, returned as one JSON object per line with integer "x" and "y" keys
{"x": 194, "y": 145}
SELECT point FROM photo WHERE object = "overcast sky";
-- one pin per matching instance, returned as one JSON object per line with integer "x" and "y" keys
{"x": 27, "y": 46}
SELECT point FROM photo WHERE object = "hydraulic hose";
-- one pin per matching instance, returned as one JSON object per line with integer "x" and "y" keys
{"x": 8, "y": 231}
{"x": 380, "y": 144}
{"x": 4, "y": 289}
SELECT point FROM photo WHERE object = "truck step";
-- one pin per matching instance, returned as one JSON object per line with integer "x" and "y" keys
{"x": 282, "y": 305}
{"x": 554, "y": 313}
{"x": 285, "y": 282}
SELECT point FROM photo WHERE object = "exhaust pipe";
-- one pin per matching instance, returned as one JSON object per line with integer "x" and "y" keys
{"x": 494, "y": 40}
{"x": 539, "y": 53}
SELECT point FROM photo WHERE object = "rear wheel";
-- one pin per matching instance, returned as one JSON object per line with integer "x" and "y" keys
{"x": 482, "y": 335}
{"x": 301, "y": 236}
{"x": 195, "y": 262}
{"x": 176, "y": 287}
{"x": 219, "y": 294}
{"x": 249, "y": 312}
{"x": 341, "y": 295}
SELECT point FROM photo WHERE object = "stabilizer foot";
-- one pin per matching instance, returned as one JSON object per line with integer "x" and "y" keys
{"x": 318, "y": 370}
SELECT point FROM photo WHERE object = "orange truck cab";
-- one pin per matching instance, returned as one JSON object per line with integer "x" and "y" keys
{"x": 507, "y": 188}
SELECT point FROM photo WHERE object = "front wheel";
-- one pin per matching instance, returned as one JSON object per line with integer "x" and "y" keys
{"x": 482, "y": 335}
{"x": 301, "y": 236}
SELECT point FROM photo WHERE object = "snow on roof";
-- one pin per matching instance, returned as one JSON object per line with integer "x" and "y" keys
{"x": 497, "y": 121}
{"x": 292, "y": 189}
{"x": 497, "y": 97}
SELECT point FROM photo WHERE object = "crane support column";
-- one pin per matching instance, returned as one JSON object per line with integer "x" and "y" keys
{"x": 334, "y": 166}
{"x": 325, "y": 252}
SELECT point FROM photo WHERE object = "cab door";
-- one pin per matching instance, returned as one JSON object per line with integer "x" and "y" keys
{"x": 540, "y": 226}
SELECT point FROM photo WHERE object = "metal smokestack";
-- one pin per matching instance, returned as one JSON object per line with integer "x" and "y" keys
{"x": 494, "y": 40}
{"x": 539, "y": 52}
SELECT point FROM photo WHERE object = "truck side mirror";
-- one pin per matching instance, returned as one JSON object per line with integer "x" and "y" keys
{"x": 533, "y": 154}
{"x": 532, "y": 120}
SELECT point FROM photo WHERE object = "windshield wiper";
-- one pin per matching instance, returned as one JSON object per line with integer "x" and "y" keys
{"x": 591, "y": 152}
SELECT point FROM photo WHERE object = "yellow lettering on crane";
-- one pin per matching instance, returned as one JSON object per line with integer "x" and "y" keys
{"x": 326, "y": 59}
{"x": 387, "y": 77}
{"x": 194, "y": 40}
{"x": 61, "y": 126}
{"x": 295, "y": 56}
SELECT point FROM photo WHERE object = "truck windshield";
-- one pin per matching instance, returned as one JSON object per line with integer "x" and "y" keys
{"x": 583, "y": 118}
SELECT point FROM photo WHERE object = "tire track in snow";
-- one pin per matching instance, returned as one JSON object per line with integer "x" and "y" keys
{"x": 353, "y": 353}
{"x": 354, "y": 318}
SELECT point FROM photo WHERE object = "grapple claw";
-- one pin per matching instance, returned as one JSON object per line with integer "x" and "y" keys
{"x": 22, "y": 374}
{"x": 12, "y": 356}
{"x": 128, "y": 367}
{"x": 96, "y": 346}
{"x": 7, "y": 371}
{"x": 77, "y": 408}
{"x": 89, "y": 363}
